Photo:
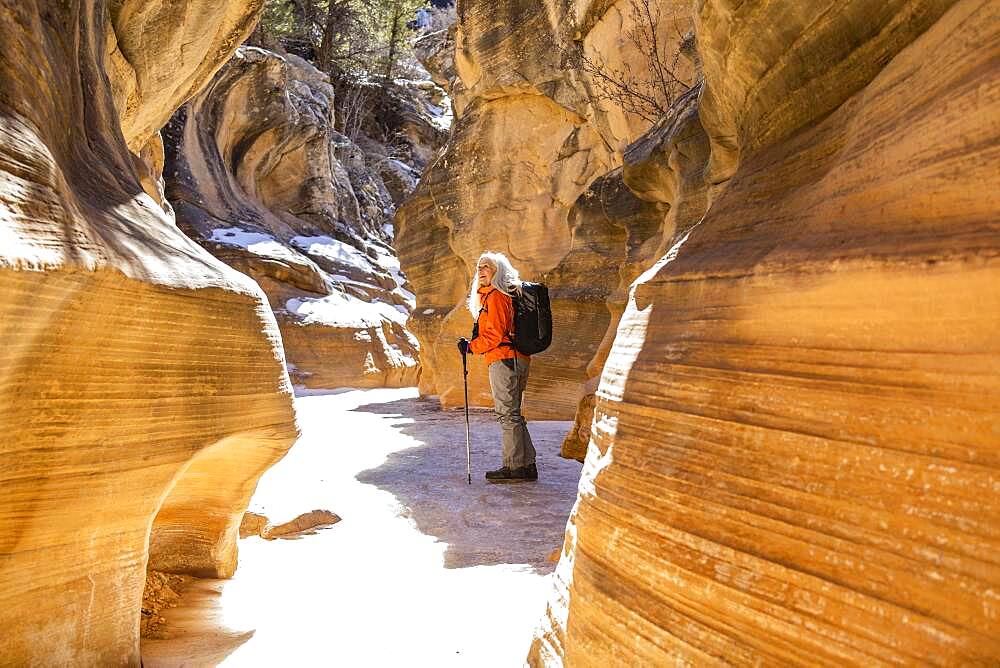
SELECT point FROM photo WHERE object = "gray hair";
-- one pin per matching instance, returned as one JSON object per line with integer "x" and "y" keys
{"x": 506, "y": 279}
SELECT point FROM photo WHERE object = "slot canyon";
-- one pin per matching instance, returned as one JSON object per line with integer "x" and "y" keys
{"x": 237, "y": 240}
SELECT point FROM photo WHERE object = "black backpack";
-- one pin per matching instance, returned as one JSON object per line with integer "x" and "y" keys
{"x": 532, "y": 319}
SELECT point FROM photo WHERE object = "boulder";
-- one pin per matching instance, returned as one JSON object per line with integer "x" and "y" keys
{"x": 436, "y": 52}
{"x": 259, "y": 176}
{"x": 794, "y": 447}
{"x": 142, "y": 389}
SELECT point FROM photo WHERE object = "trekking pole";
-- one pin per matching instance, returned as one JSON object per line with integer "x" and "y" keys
{"x": 468, "y": 438}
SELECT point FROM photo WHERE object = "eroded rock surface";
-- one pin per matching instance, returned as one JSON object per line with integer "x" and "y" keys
{"x": 795, "y": 451}
{"x": 658, "y": 194}
{"x": 260, "y": 177}
{"x": 139, "y": 376}
{"x": 532, "y": 135}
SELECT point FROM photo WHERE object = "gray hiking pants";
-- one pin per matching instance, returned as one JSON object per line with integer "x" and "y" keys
{"x": 508, "y": 387}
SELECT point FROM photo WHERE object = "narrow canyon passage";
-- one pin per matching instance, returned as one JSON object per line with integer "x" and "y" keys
{"x": 422, "y": 569}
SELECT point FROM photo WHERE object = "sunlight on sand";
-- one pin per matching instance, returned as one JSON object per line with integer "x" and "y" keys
{"x": 422, "y": 570}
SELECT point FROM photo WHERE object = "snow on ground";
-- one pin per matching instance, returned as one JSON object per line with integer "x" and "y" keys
{"x": 423, "y": 570}
{"x": 340, "y": 310}
{"x": 337, "y": 309}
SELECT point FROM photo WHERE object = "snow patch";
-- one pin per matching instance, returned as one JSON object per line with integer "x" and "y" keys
{"x": 404, "y": 168}
{"x": 257, "y": 243}
{"x": 441, "y": 117}
{"x": 390, "y": 263}
{"x": 408, "y": 297}
{"x": 276, "y": 250}
{"x": 333, "y": 249}
{"x": 342, "y": 310}
{"x": 387, "y": 261}
{"x": 237, "y": 236}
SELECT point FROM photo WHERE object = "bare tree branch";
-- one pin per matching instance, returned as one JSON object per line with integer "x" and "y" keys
{"x": 648, "y": 93}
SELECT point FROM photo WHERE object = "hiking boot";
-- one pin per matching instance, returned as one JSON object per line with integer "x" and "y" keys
{"x": 505, "y": 474}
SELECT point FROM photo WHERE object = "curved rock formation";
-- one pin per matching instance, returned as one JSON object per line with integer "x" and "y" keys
{"x": 258, "y": 174}
{"x": 794, "y": 454}
{"x": 611, "y": 228}
{"x": 199, "y": 37}
{"x": 132, "y": 362}
{"x": 532, "y": 135}
{"x": 658, "y": 194}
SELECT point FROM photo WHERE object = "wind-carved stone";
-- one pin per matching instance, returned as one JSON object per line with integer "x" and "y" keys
{"x": 260, "y": 177}
{"x": 140, "y": 377}
{"x": 794, "y": 451}
{"x": 532, "y": 135}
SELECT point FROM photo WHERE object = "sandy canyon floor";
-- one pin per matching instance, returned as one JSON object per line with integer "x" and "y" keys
{"x": 422, "y": 570}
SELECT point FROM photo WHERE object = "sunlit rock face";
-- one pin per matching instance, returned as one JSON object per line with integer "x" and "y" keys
{"x": 260, "y": 177}
{"x": 658, "y": 194}
{"x": 794, "y": 455}
{"x": 617, "y": 234}
{"x": 138, "y": 374}
{"x": 530, "y": 138}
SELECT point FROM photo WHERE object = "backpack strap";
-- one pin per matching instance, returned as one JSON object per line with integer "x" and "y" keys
{"x": 483, "y": 309}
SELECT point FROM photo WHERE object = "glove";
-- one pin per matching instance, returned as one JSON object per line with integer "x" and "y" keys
{"x": 463, "y": 346}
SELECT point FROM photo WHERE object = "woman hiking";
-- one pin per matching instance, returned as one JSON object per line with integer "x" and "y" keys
{"x": 493, "y": 285}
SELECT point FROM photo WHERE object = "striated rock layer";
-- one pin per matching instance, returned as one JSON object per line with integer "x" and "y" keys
{"x": 260, "y": 177}
{"x": 532, "y": 135}
{"x": 660, "y": 192}
{"x": 139, "y": 376}
{"x": 794, "y": 455}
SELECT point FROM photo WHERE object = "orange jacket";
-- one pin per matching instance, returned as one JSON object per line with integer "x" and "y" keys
{"x": 496, "y": 327}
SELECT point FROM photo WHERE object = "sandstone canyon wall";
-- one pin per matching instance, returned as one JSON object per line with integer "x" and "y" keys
{"x": 518, "y": 175}
{"x": 795, "y": 447}
{"x": 140, "y": 377}
{"x": 259, "y": 176}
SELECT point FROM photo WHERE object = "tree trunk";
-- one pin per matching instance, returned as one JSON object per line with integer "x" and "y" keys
{"x": 394, "y": 36}
{"x": 324, "y": 59}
